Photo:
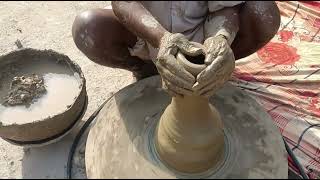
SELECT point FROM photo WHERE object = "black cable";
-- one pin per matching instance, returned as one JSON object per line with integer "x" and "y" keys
{"x": 302, "y": 134}
{"x": 295, "y": 160}
{"x": 294, "y": 15}
{"x": 315, "y": 35}
{"x": 78, "y": 137}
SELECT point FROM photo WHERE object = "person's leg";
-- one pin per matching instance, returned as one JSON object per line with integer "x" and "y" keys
{"x": 259, "y": 22}
{"x": 99, "y": 35}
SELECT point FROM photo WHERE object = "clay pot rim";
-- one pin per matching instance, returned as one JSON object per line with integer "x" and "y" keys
{"x": 188, "y": 63}
{"x": 194, "y": 68}
{"x": 74, "y": 67}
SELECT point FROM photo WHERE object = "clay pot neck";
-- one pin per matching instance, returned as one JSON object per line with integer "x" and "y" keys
{"x": 189, "y": 136}
{"x": 190, "y": 104}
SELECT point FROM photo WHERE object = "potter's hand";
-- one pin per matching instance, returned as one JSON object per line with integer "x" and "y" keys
{"x": 175, "y": 79}
{"x": 220, "y": 63}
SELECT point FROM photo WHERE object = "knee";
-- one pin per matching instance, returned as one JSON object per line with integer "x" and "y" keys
{"x": 265, "y": 18}
{"x": 85, "y": 30}
{"x": 98, "y": 34}
{"x": 94, "y": 34}
{"x": 259, "y": 22}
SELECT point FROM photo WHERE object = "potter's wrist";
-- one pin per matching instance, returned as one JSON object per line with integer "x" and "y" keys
{"x": 210, "y": 42}
{"x": 229, "y": 36}
{"x": 159, "y": 36}
{"x": 222, "y": 36}
{"x": 163, "y": 44}
{"x": 216, "y": 27}
{"x": 170, "y": 40}
{"x": 169, "y": 37}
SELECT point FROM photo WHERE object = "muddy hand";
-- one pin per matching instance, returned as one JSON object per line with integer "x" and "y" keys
{"x": 220, "y": 63}
{"x": 176, "y": 80}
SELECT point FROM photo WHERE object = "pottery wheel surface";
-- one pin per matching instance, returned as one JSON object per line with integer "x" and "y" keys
{"x": 120, "y": 143}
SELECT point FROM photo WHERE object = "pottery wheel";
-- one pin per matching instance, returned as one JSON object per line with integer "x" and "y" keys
{"x": 120, "y": 144}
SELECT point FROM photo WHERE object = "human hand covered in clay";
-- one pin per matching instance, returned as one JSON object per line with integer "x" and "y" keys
{"x": 220, "y": 63}
{"x": 175, "y": 79}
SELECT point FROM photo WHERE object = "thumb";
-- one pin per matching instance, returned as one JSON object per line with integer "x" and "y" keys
{"x": 209, "y": 59}
{"x": 190, "y": 49}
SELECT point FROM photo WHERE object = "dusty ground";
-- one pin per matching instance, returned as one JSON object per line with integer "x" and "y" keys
{"x": 47, "y": 25}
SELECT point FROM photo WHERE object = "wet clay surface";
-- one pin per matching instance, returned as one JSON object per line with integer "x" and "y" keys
{"x": 24, "y": 90}
{"x": 190, "y": 135}
{"x": 192, "y": 127}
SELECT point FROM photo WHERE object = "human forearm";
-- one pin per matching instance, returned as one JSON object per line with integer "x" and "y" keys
{"x": 223, "y": 22}
{"x": 139, "y": 21}
{"x": 220, "y": 30}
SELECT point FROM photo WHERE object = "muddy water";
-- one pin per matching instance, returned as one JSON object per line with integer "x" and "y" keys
{"x": 61, "y": 80}
{"x": 61, "y": 92}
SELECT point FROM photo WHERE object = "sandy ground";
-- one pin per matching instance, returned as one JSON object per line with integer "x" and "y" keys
{"x": 47, "y": 25}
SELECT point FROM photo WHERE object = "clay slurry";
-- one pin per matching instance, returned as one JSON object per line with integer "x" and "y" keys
{"x": 24, "y": 90}
{"x": 62, "y": 89}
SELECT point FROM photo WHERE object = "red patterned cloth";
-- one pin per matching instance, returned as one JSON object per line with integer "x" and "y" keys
{"x": 284, "y": 77}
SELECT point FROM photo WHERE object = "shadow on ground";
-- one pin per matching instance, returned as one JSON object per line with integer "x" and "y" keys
{"x": 49, "y": 161}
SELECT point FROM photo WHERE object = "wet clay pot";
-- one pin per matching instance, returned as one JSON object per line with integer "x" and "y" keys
{"x": 189, "y": 136}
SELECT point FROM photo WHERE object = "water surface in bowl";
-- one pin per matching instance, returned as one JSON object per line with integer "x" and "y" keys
{"x": 62, "y": 90}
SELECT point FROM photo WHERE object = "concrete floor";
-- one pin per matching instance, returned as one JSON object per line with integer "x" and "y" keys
{"x": 47, "y": 25}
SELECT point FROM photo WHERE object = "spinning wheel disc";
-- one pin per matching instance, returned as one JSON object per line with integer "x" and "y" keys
{"x": 121, "y": 142}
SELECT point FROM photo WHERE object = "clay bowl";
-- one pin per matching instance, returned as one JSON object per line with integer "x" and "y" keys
{"x": 54, "y": 113}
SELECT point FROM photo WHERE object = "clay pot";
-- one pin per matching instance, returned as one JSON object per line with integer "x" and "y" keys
{"x": 190, "y": 136}
{"x": 194, "y": 69}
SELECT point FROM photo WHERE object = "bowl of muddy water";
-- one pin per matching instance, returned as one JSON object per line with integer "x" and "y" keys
{"x": 42, "y": 96}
